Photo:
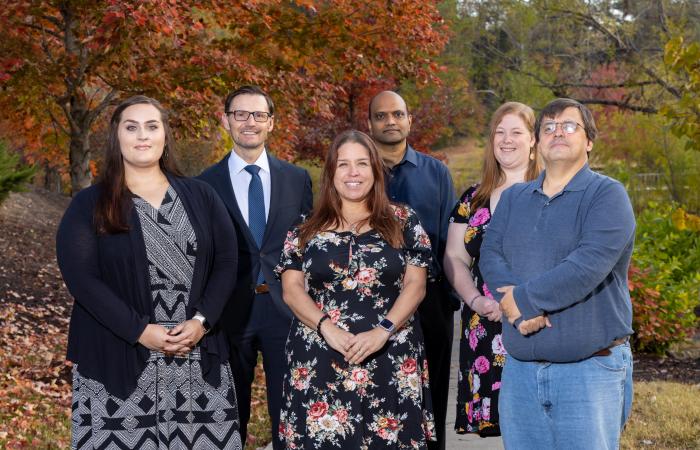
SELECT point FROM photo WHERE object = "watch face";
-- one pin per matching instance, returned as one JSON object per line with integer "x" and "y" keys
{"x": 387, "y": 324}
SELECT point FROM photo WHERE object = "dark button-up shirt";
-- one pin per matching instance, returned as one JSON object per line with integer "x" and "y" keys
{"x": 567, "y": 256}
{"x": 424, "y": 183}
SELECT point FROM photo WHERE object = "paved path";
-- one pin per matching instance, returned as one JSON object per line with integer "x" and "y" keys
{"x": 458, "y": 441}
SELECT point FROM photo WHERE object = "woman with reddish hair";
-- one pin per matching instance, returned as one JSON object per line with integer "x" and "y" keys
{"x": 509, "y": 158}
{"x": 354, "y": 274}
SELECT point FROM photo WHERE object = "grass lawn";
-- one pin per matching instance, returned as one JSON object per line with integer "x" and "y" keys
{"x": 665, "y": 415}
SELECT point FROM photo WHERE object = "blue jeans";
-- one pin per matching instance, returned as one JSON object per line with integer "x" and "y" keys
{"x": 579, "y": 405}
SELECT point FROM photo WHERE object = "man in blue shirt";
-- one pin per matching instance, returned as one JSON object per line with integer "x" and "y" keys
{"x": 558, "y": 249}
{"x": 425, "y": 184}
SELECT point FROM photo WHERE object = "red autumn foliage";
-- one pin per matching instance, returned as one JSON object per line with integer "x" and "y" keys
{"x": 65, "y": 63}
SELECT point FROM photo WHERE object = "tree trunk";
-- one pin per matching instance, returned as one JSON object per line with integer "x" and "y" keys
{"x": 79, "y": 157}
{"x": 52, "y": 179}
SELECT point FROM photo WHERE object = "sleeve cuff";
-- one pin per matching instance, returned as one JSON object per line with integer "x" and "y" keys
{"x": 522, "y": 301}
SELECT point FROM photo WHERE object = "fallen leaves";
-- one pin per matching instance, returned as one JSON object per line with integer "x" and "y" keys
{"x": 35, "y": 391}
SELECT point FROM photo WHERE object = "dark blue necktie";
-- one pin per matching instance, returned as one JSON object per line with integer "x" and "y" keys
{"x": 256, "y": 209}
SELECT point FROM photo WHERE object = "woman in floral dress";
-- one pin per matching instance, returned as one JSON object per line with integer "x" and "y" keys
{"x": 511, "y": 160}
{"x": 354, "y": 274}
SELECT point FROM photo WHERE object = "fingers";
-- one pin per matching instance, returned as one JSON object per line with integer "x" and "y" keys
{"x": 177, "y": 330}
{"x": 358, "y": 350}
{"x": 181, "y": 337}
{"x": 188, "y": 333}
{"x": 533, "y": 325}
{"x": 355, "y": 352}
{"x": 180, "y": 350}
{"x": 548, "y": 323}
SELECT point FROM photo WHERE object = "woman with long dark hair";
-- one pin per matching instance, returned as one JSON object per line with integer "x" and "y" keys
{"x": 354, "y": 274}
{"x": 509, "y": 158}
{"x": 150, "y": 259}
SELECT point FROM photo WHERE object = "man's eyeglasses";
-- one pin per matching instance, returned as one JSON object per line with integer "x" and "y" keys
{"x": 567, "y": 126}
{"x": 241, "y": 116}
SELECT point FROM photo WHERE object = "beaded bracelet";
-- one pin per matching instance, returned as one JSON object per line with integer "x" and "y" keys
{"x": 318, "y": 326}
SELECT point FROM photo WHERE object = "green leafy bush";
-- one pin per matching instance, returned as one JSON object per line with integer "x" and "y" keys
{"x": 12, "y": 174}
{"x": 664, "y": 277}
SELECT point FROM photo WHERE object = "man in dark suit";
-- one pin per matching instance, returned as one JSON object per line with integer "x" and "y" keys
{"x": 265, "y": 197}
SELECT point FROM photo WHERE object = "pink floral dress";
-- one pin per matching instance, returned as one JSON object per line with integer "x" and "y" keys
{"x": 481, "y": 351}
{"x": 384, "y": 402}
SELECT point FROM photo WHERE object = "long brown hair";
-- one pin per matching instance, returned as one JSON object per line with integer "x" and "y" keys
{"x": 114, "y": 203}
{"x": 492, "y": 174}
{"x": 328, "y": 214}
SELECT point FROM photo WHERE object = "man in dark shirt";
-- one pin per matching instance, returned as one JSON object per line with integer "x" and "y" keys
{"x": 558, "y": 249}
{"x": 425, "y": 184}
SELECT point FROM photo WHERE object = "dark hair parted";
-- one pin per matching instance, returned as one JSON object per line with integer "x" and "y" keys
{"x": 328, "y": 213}
{"x": 249, "y": 90}
{"x": 557, "y": 106}
{"x": 114, "y": 203}
{"x": 492, "y": 174}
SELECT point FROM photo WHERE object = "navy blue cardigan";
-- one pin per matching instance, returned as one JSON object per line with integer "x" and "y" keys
{"x": 107, "y": 275}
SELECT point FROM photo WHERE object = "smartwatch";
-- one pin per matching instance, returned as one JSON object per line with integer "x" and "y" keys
{"x": 203, "y": 320}
{"x": 387, "y": 325}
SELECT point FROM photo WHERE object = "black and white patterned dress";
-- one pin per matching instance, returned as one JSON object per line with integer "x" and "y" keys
{"x": 173, "y": 407}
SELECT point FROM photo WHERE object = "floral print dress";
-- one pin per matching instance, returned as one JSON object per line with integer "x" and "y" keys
{"x": 481, "y": 351}
{"x": 383, "y": 402}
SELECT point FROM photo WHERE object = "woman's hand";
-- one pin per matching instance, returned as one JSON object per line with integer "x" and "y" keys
{"x": 154, "y": 337}
{"x": 337, "y": 338}
{"x": 364, "y": 344}
{"x": 487, "y": 307}
{"x": 183, "y": 338}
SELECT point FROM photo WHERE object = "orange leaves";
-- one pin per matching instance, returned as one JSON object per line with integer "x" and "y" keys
{"x": 309, "y": 54}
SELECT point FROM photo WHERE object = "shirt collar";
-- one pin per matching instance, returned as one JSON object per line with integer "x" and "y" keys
{"x": 237, "y": 164}
{"x": 410, "y": 156}
{"x": 577, "y": 183}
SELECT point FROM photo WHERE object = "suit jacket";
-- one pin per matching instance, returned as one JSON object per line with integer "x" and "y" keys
{"x": 290, "y": 198}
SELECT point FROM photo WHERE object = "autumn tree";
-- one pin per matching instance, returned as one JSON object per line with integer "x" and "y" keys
{"x": 64, "y": 63}
{"x": 683, "y": 58}
{"x": 603, "y": 52}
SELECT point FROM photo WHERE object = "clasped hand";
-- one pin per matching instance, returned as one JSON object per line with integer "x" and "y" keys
{"x": 177, "y": 341}
{"x": 355, "y": 348}
{"x": 510, "y": 309}
{"x": 486, "y": 307}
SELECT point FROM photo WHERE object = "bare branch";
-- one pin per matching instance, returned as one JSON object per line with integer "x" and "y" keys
{"x": 42, "y": 29}
{"x": 57, "y": 124}
{"x": 620, "y": 104}
{"x": 51, "y": 19}
{"x": 109, "y": 98}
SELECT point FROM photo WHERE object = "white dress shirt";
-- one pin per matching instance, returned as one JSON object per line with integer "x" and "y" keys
{"x": 240, "y": 179}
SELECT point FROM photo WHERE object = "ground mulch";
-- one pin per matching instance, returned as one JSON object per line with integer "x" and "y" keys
{"x": 656, "y": 368}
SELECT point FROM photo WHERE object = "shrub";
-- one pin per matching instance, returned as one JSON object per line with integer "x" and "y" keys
{"x": 13, "y": 174}
{"x": 664, "y": 277}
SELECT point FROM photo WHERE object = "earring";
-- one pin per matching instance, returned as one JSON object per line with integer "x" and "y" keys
{"x": 532, "y": 155}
